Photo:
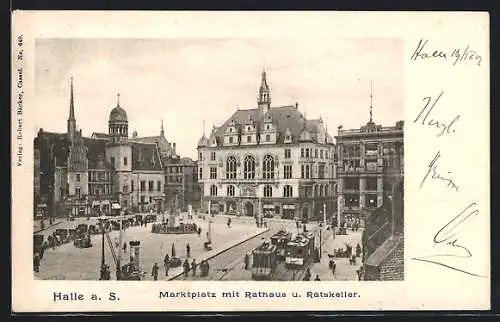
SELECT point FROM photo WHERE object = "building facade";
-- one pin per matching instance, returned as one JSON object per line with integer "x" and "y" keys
{"x": 83, "y": 176}
{"x": 269, "y": 160}
{"x": 364, "y": 155}
{"x": 181, "y": 183}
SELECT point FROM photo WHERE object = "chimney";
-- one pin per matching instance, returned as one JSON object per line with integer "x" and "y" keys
{"x": 173, "y": 147}
{"x": 296, "y": 105}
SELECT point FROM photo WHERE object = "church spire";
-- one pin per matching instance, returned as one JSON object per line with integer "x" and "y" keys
{"x": 264, "y": 101}
{"x": 71, "y": 101}
{"x": 71, "y": 126}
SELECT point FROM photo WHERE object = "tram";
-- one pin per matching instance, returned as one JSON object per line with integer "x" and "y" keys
{"x": 280, "y": 240}
{"x": 300, "y": 250}
{"x": 264, "y": 261}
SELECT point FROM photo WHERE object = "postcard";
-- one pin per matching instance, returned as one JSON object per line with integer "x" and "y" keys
{"x": 250, "y": 161}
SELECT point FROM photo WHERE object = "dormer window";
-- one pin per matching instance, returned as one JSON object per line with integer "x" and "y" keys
{"x": 267, "y": 127}
{"x": 248, "y": 128}
{"x": 230, "y": 129}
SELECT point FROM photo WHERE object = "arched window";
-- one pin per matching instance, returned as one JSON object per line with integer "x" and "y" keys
{"x": 213, "y": 190}
{"x": 287, "y": 191}
{"x": 268, "y": 167}
{"x": 230, "y": 191}
{"x": 316, "y": 191}
{"x": 249, "y": 167}
{"x": 231, "y": 168}
{"x": 326, "y": 190}
{"x": 268, "y": 191}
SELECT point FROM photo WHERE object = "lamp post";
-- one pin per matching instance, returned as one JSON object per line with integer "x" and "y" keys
{"x": 103, "y": 260}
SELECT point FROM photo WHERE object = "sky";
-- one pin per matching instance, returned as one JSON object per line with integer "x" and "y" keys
{"x": 191, "y": 82}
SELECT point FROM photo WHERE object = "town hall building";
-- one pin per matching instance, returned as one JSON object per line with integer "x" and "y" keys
{"x": 268, "y": 160}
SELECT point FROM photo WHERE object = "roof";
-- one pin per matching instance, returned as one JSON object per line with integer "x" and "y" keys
{"x": 97, "y": 135}
{"x": 284, "y": 117}
{"x": 164, "y": 146}
{"x": 145, "y": 156}
{"x": 118, "y": 114}
{"x": 382, "y": 252}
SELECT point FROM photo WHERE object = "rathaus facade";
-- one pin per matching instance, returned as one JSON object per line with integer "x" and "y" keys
{"x": 269, "y": 160}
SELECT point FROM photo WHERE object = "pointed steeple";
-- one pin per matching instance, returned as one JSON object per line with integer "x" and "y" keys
{"x": 371, "y": 102}
{"x": 71, "y": 125}
{"x": 162, "y": 132}
{"x": 264, "y": 100}
{"x": 71, "y": 102}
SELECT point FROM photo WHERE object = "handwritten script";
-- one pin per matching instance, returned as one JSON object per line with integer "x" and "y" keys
{"x": 435, "y": 175}
{"x": 455, "y": 56}
{"x": 448, "y": 243}
{"x": 444, "y": 127}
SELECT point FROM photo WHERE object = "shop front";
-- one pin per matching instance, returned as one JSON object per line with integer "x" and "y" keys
{"x": 269, "y": 210}
{"x": 288, "y": 211}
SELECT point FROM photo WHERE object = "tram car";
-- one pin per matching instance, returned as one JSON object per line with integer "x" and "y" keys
{"x": 280, "y": 240}
{"x": 300, "y": 250}
{"x": 264, "y": 261}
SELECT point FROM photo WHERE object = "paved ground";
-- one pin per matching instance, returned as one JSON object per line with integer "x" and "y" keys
{"x": 229, "y": 266}
{"x": 71, "y": 263}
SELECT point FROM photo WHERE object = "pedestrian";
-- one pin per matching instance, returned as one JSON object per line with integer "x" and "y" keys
{"x": 124, "y": 247}
{"x": 247, "y": 261}
{"x": 186, "y": 268}
{"x": 166, "y": 263}
{"x": 36, "y": 263}
{"x": 334, "y": 266}
{"x": 358, "y": 250}
{"x": 317, "y": 278}
{"x": 193, "y": 266}
{"x": 107, "y": 273}
{"x": 297, "y": 224}
{"x": 154, "y": 272}
{"x": 188, "y": 250}
{"x": 307, "y": 276}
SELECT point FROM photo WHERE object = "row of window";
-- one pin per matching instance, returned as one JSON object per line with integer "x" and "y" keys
{"x": 268, "y": 191}
{"x": 174, "y": 169}
{"x": 318, "y": 153}
{"x": 319, "y": 191}
{"x": 268, "y": 169}
{"x": 304, "y": 153}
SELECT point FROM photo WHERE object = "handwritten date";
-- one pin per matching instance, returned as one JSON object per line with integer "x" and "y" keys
{"x": 454, "y": 55}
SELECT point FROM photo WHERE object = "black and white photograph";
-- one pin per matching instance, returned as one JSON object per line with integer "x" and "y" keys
{"x": 250, "y": 161}
{"x": 288, "y": 165}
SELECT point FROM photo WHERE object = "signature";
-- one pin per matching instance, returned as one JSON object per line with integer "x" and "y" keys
{"x": 445, "y": 127}
{"x": 448, "y": 238}
{"x": 433, "y": 168}
{"x": 455, "y": 55}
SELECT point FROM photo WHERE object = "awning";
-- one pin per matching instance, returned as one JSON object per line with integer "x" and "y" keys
{"x": 268, "y": 206}
{"x": 95, "y": 203}
{"x": 288, "y": 206}
{"x": 42, "y": 205}
{"x": 116, "y": 206}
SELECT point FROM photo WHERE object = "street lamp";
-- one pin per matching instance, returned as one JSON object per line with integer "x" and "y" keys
{"x": 103, "y": 260}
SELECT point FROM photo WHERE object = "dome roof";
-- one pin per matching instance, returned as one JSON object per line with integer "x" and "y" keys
{"x": 305, "y": 136}
{"x": 118, "y": 114}
{"x": 203, "y": 141}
